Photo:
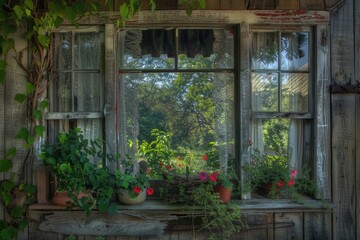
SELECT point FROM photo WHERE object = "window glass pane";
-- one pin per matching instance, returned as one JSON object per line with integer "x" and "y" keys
{"x": 88, "y": 50}
{"x": 62, "y": 51}
{"x": 87, "y": 92}
{"x": 147, "y": 49}
{"x": 197, "y": 108}
{"x": 294, "y": 92}
{"x": 295, "y": 51}
{"x": 60, "y": 93}
{"x": 264, "y": 88}
{"x": 265, "y": 49}
{"x": 206, "y": 49}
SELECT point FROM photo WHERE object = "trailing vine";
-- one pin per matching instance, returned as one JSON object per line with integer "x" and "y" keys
{"x": 39, "y": 19}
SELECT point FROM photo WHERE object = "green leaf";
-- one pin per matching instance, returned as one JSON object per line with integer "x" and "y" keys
{"x": 11, "y": 152}
{"x": 6, "y": 45}
{"x": 23, "y": 133}
{"x": 28, "y": 12}
{"x": 8, "y": 185}
{"x": 5, "y": 165}
{"x": 124, "y": 11}
{"x": 6, "y": 197}
{"x": 44, "y": 40}
{"x": 30, "y": 189}
{"x": 44, "y": 104}
{"x": 22, "y": 225}
{"x": 29, "y": 4}
{"x": 30, "y": 140}
{"x": 30, "y": 88}
{"x": 70, "y": 14}
{"x": 8, "y": 233}
{"x": 20, "y": 98}
{"x": 40, "y": 129}
{"x": 2, "y": 71}
{"x": 202, "y": 4}
{"x": 18, "y": 11}
{"x": 37, "y": 114}
{"x": 17, "y": 212}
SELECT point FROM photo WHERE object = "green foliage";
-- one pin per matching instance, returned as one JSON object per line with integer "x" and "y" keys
{"x": 220, "y": 220}
{"x": 276, "y": 171}
{"x": 158, "y": 152}
{"x": 71, "y": 158}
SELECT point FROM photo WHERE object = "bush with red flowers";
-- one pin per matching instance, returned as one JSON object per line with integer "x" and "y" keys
{"x": 273, "y": 176}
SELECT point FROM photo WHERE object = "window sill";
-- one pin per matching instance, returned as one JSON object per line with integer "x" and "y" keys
{"x": 251, "y": 205}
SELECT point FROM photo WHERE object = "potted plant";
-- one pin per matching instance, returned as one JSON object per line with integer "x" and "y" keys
{"x": 273, "y": 176}
{"x": 132, "y": 185}
{"x": 78, "y": 180}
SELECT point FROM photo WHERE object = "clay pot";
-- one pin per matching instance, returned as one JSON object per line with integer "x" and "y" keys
{"x": 224, "y": 193}
{"x": 125, "y": 198}
{"x": 62, "y": 199}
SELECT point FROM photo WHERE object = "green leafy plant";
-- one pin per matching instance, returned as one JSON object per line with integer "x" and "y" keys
{"x": 71, "y": 158}
{"x": 220, "y": 220}
{"x": 274, "y": 173}
{"x": 128, "y": 178}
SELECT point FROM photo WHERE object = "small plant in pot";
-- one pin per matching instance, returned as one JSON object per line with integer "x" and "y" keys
{"x": 132, "y": 183}
{"x": 83, "y": 183}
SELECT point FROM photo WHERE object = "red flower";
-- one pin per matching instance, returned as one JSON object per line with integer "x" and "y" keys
{"x": 168, "y": 167}
{"x": 150, "y": 191}
{"x": 213, "y": 177}
{"x": 205, "y": 157}
{"x": 280, "y": 183}
{"x": 148, "y": 170}
{"x": 291, "y": 182}
{"x": 179, "y": 158}
{"x": 137, "y": 189}
{"x": 161, "y": 164}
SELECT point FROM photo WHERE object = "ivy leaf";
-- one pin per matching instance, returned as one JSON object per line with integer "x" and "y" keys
{"x": 17, "y": 212}
{"x": 6, "y": 45}
{"x": 8, "y": 185}
{"x": 8, "y": 233}
{"x": 22, "y": 225}
{"x": 44, "y": 104}
{"x": 30, "y": 88}
{"x": 40, "y": 129}
{"x": 37, "y": 114}
{"x": 44, "y": 40}
{"x": 29, "y": 4}
{"x": 11, "y": 152}
{"x": 2, "y": 71}
{"x": 18, "y": 11}
{"x": 124, "y": 11}
{"x": 20, "y": 98}
{"x": 30, "y": 140}
{"x": 58, "y": 21}
{"x": 30, "y": 189}
{"x": 5, "y": 165}
{"x": 70, "y": 14}
{"x": 202, "y": 4}
{"x": 23, "y": 133}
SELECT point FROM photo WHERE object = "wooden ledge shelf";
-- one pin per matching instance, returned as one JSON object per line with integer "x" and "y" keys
{"x": 263, "y": 205}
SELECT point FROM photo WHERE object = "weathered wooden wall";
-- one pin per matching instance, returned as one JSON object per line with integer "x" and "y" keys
{"x": 345, "y": 42}
{"x": 344, "y": 221}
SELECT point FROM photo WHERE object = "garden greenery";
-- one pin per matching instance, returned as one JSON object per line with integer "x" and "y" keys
{"x": 39, "y": 19}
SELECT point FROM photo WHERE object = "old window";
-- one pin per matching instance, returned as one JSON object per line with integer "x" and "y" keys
{"x": 178, "y": 80}
{"x": 76, "y": 93}
{"x": 281, "y": 94}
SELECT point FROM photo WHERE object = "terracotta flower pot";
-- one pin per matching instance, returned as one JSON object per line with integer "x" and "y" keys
{"x": 125, "y": 198}
{"x": 62, "y": 199}
{"x": 224, "y": 193}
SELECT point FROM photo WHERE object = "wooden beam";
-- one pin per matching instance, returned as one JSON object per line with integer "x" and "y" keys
{"x": 98, "y": 224}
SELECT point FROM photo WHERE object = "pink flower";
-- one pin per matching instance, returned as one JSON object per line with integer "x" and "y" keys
{"x": 213, "y": 177}
{"x": 293, "y": 173}
{"x": 203, "y": 176}
{"x": 280, "y": 183}
{"x": 291, "y": 182}
{"x": 205, "y": 157}
{"x": 150, "y": 191}
{"x": 137, "y": 189}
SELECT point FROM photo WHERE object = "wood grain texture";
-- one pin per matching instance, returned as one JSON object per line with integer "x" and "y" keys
{"x": 343, "y": 155}
{"x": 322, "y": 114}
{"x": 261, "y": 5}
{"x": 130, "y": 224}
{"x": 312, "y": 4}
{"x": 342, "y": 44}
{"x": 233, "y": 4}
{"x": 318, "y": 226}
{"x": 287, "y": 4}
{"x": 289, "y": 226}
{"x": 244, "y": 90}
